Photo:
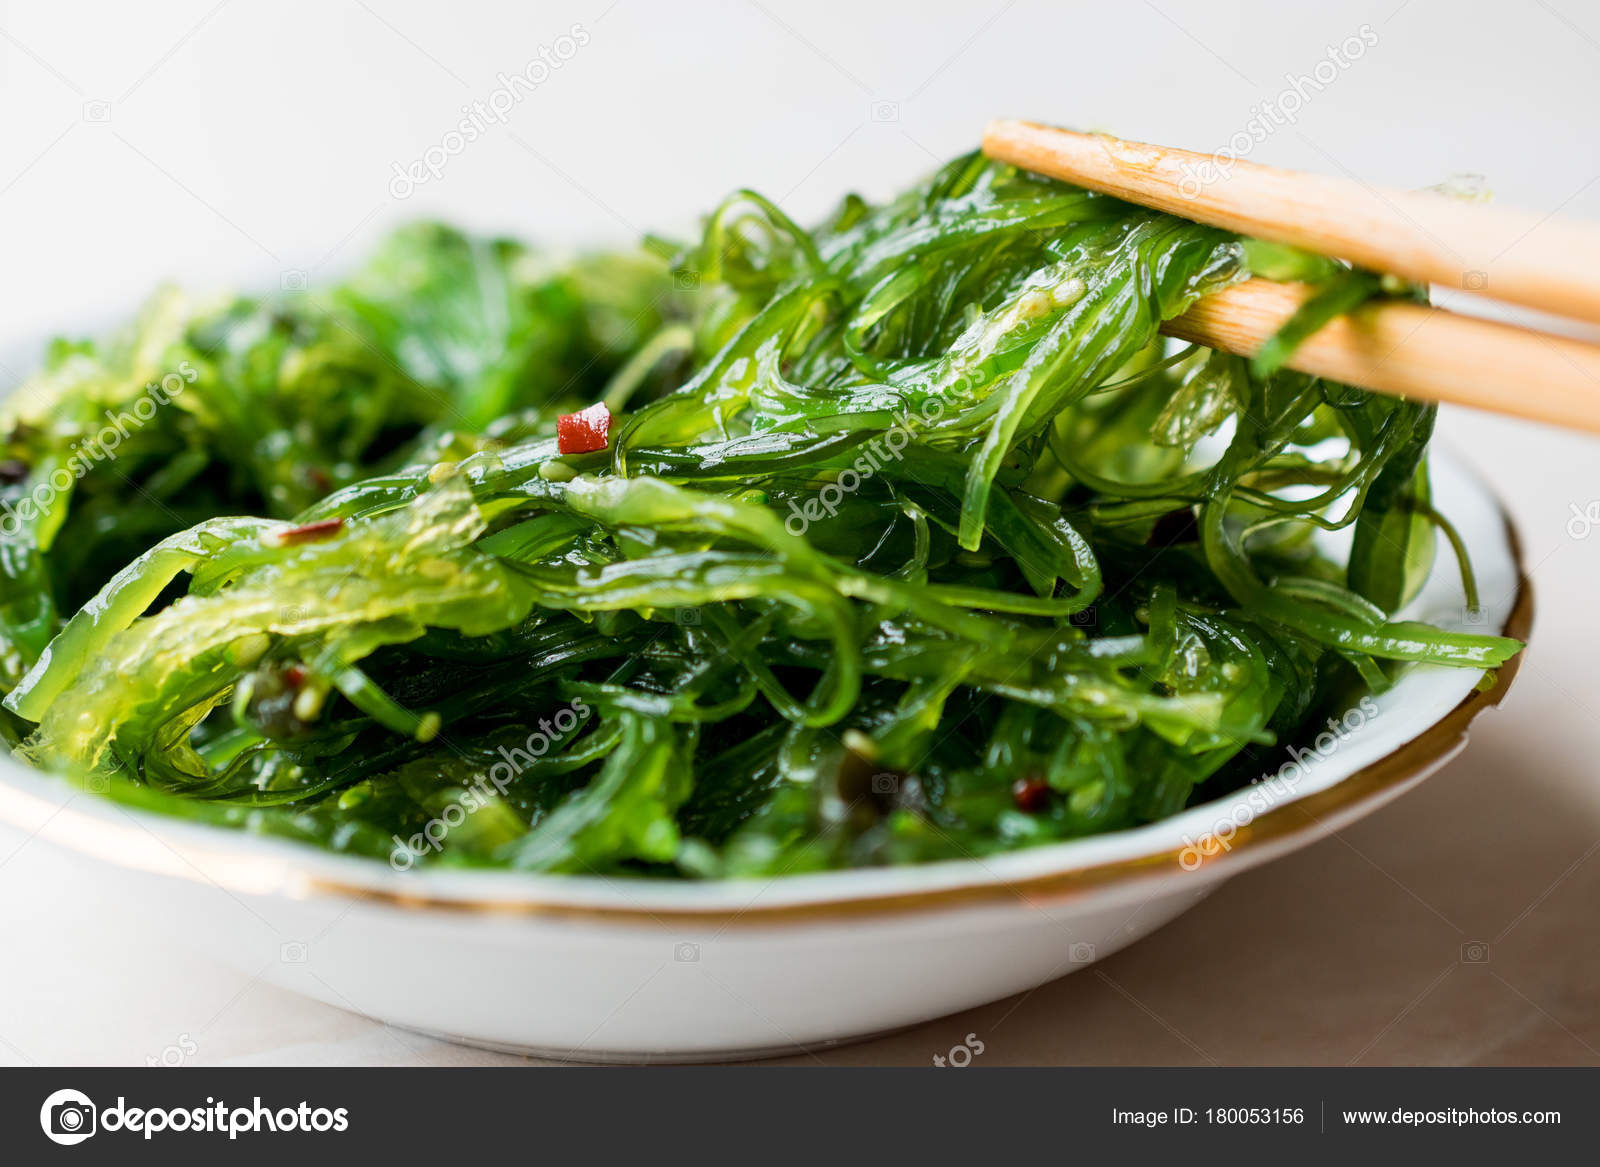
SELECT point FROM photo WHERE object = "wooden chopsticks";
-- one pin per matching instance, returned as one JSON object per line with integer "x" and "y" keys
{"x": 1393, "y": 347}
{"x": 1413, "y": 351}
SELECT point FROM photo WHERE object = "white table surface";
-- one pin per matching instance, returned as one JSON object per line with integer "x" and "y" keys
{"x": 237, "y": 141}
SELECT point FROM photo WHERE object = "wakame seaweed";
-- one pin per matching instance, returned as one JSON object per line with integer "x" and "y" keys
{"x": 907, "y": 537}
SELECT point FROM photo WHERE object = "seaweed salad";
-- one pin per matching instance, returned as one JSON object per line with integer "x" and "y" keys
{"x": 903, "y": 538}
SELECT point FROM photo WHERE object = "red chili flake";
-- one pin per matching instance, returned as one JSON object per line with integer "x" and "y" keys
{"x": 585, "y": 431}
{"x": 296, "y": 675}
{"x": 307, "y": 532}
{"x": 1030, "y": 794}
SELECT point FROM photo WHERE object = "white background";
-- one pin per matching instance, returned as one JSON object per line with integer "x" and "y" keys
{"x": 234, "y": 142}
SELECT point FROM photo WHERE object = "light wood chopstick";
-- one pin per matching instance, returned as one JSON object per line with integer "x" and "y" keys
{"x": 1413, "y": 351}
{"x": 1391, "y": 346}
{"x": 1547, "y": 263}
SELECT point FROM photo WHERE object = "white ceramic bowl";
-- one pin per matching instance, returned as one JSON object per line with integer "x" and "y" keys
{"x": 607, "y": 969}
